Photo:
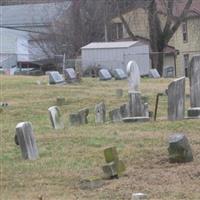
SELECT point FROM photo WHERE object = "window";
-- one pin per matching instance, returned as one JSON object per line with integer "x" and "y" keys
{"x": 119, "y": 27}
{"x": 186, "y": 63}
{"x": 184, "y": 31}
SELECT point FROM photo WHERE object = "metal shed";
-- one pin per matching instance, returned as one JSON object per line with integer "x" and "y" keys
{"x": 112, "y": 55}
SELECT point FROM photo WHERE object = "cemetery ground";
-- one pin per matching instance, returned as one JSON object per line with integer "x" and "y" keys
{"x": 73, "y": 156}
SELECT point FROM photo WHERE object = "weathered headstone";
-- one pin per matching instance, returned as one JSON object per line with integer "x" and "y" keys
{"x": 104, "y": 75}
{"x": 153, "y": 73}
{"x": 79, "y": 118}
{"x": 179, "y": 149}
{"x": 55, "y": 117}
{"x": 194, "y": 76}
{"x": 176, "y": 99}
{"x": 115, "y": 115}
{"x": 60, "y": 101}
{"x": 124, "y": 110}
{"x": 119, "y": 74}
{"x": 100, "y": 113}
{"x": 119, "y": 93}
{"x": 114, "y": 166}
{"x": 26, "y": 140}
{"x": 168, "y": 71}
{"x": 133, "y": 76}
{"x": 55, "y": 78}
{"x": 70, "y": 75}
{"x": 138, "y": 196}
{"x": 136, "y": 119}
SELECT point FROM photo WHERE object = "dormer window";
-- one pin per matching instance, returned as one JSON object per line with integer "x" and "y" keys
{"x": 184, "y": 32}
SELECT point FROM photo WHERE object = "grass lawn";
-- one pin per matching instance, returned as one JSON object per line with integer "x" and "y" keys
{"x": 70, "y": 156}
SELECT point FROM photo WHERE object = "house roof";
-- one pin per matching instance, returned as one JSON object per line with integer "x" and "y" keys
{"x": 31, "y": 15}
{"x": 110, "y": 45}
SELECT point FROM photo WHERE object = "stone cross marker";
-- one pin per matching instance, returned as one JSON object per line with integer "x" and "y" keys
{"x": 55, "y": 78}
{"x": 55, "y": 117}
{"x": 26, "y": 140}
{"x": 133, "y": 76}
{"x": 70, "y": 75}
{"x": 104, "y": 75}
{"x": 119, "y": 74}
{"x": 176, "y": 99}
{"x": 179, "y": 149}
{"x": 100, "y": 113}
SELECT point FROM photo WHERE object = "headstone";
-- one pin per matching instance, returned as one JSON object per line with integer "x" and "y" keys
{"x": 60, "y": 101}
{"x": 70, "y": 75}
{"x": 55, "y": 78}
{"x": 104, "y": 75}
{"x": 55, "y": 117}
{"x": 176, "y": 99}
{"x": 168, "y": 71}
{"x": 115, "y": 115}
{"x": 194, "y": 76}
{"x": 133, "y": 76}
{"x": 26, "y": 140}
{"x": 153, "y": 73}
{"x": 100, "y": 113}
{"x": 79, "y": 118}
{"x": 124, "y": 110}
{"x": 135, "y": 119}
{"x": 138, "y": 196}
{"x": 119, "y": 74}
{"x": 114, "y": 166}
{"x": 119, "y": 93}
{"x": 179, "y": 149}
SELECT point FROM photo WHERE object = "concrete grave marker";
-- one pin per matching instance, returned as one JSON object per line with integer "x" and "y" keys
{"x": 55, "y": 117}
{"x": 26, "y": 140}
{"x": 153, "y": 73}
{"x": 79, "y": 118}
{"x": 133, "y": 76}
{"x": 115, "y": 115}
{"x": 176, "y": 99}
{"x": 194, "y": 75}
{"x": 70, "y": 75}
{"x": 104, "y": 75}
{"x": 179, "y": 149}
{"x": 119, "y": 74}
{"x": 100, "y": 113}
{"x": 168, "y": 71}
{"x": 55, "y": 78}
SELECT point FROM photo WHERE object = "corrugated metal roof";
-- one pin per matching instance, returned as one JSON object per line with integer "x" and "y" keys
{"x": 110, "y": 45}
{"x": 29, "y": 14}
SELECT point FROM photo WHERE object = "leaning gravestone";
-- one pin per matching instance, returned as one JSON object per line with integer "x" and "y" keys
{"x": 153, "y": 73}
{"x": 115, "y": 115}
{"x": 168, "y": 71}
{"x": 25, "y": 139}
{"x": 70, "y": 75}
{"x": 194, "y": 75}
{"x": 55, "y": 78}
{"x": 100, "y": 113}
{"x": 119, "y": 74}
{"x": 55, "y": 117}
{"x": 176, "y": 99}
{"x": 114, "y": 166}
{"x": 104, "y": 75}
{"x": 179, "y": 149}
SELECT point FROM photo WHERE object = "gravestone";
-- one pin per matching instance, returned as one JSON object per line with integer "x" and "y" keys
{"x": 179, "y": 149}
{"x": 55, "y": 78}
{"x": 139, "y": 196}
{"x": 124, "y": 110}
{"x": 133, "y": 76}
{"x": 104, "y": 75}
{"x": 168, "y": 71}
{"x": 119, "y": 93}
{"x": 153, "y": 73}
{"x": 119, "y": 74}
{"x": 26, "y": 140}
{"x": 100, "y": 113}
{"x": 79, "y": 118}
{"x": 176, "y": 99}
{"x": 115, "y": 115}
{"x": 55, "y": 117}
{"x": 194, "y": 76}
{"x": 136, "y": 119}
{"x": 114, "y": 167}
{"x": 70, "y": 75}
{"x": 60, "y": 101}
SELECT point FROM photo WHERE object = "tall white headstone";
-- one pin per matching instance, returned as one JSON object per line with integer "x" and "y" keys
{"x": 133, "y": 76}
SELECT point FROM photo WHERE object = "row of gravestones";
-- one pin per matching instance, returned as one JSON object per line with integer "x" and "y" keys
{"x": 176, "y": 94}
{"x": 168, "y": 72}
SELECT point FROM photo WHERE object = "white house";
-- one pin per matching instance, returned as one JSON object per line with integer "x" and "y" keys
{"x": 113, "y": 55}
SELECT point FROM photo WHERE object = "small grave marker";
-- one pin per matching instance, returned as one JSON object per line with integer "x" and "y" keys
{"x": 70, "y": 75}
{"x": 55, "y": 78}
{"x": 104, "y": 75}
{"x": 115, "y": 115}
{"x": 153, "y": 73}
{"x": 119, "y": 74}
{"x": 100, "y": 113}
{"x": 55, "y": 117}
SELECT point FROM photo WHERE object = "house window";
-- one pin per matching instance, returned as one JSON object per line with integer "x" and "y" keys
{"x": 119, "y": 28}
{"x": 184, "y": 31}
{"x": 186, "y": 63}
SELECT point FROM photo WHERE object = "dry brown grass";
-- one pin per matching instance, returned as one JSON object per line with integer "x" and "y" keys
{"x": 74, "y": 154}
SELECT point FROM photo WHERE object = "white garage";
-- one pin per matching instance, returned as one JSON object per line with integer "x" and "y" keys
{"x": 111, "y": 55}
